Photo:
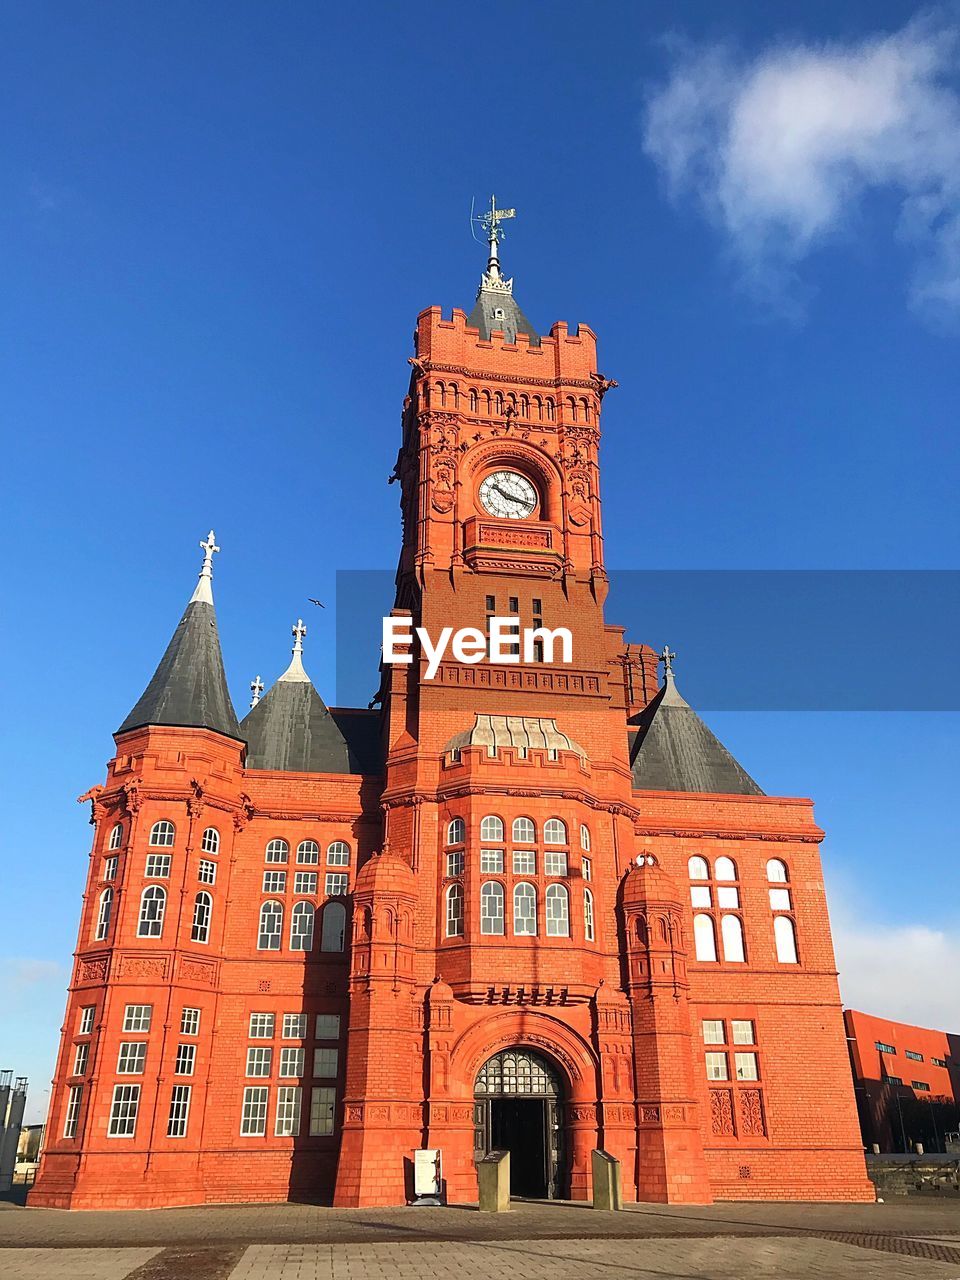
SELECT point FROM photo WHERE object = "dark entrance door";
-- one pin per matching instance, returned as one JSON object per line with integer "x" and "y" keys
{"x": 518, "y": 1109}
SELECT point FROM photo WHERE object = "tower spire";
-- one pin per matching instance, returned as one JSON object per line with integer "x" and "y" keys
{"x": 495, "y": 307}
{"x": 491, "y": 224}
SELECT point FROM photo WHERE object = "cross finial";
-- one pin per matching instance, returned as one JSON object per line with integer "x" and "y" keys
{"x": 298, "y": 630}
{"x": 256, "y": 688}
{"x": 203, "y": 591}
{"x": 666, "y": 657}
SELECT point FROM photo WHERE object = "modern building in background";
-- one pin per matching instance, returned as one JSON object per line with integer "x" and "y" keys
{"x": 13, "y": 1100}
{"x": 535, "y": 906}
{"x": 907, "y": 1082}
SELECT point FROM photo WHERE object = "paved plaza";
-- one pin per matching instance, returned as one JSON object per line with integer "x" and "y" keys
{"x": 902, "y": 1240}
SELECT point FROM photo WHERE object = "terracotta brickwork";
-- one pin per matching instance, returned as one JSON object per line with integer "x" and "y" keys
{"x": 469, "y": 898}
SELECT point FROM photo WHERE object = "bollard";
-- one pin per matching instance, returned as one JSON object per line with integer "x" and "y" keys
{"x": 493, "y": 1176}
{"x": 918, "y": 1146}
{"x": 607, "y": 1192}
{"x": 876, "y": 1148}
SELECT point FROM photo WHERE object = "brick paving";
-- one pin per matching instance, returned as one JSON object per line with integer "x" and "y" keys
{"x": 308, "y": 1242}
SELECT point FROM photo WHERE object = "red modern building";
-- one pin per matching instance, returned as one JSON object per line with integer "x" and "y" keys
{"x": 907, "y": 1082}
{"x": 533, "y": 905}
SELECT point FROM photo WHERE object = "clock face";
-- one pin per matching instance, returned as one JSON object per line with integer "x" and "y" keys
{"x": 509, "y": 495}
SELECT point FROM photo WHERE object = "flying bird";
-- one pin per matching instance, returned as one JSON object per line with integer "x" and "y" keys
{"x": 319, "y": 602}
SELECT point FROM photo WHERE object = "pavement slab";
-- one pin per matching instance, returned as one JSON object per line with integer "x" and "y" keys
{"x": 72, "y": 1264}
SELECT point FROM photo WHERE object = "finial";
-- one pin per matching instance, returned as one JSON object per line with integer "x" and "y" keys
{"x": 295, "y": 670}
{"x": 256, "y": 688}
{"x": 666, "y": 657}
{"x": 203, "y": 592}
{"x": 491, "y": 224}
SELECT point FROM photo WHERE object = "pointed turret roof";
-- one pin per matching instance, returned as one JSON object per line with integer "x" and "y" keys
{"x": 496, "y": 307}
{"x": 291, "y": 728}
{"x": 673, "y": 750}
{"x": 189, "y": 687}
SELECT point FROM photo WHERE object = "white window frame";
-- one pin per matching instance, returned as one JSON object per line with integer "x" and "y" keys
{"x": 291, "y": 1062}
{"x": 293, "y": 1026}
{"x": 202, "y": 916}
{"x": 259, "y": 1065}
{"x": 338, "y": 854}
{"x": 157, "y": 866}
{"x": 491, "y": 909}
{"x": 210, "y": 841}
{"x": 491, "y": 829}
{"x": 163, "y": 834}
{"x": 190, "y": 1021}
{"x": 185, "y": 1062}
{"x": 589, "y": 917}
{"x": 274, "y": 882}
{"x": 524, "y": 909}
{"x": 150, "y": 920}
{"x": 110, "y": 867}
{"x": 277, "y": 851}
{"x": 747, "y": 1066}
{"x": 556, "y": 902}
{"x": 524, "y": 862}
{"x": 717, "y": 1066}
{"x": 132, "y": 1058}
{"x": 124, "y": 1108}
{"x": 491, "y": 862}
{"x": 303, "y": 920}
{"x": 584, "y": 837}
{"x": 137, "y": 1018}
{"x": 456, "y": 861}
{"x": 308, "y": 853}
{"x": 81, "y": 1058}
{"x": 253, "y": 1115}
{"x": 453, "y": 914}
{"x": 323, "y": 1104}
{"x": 456, "y": 831}
{"x": 336, "y": 884}
{"x": 287, "y": 1118}
{"x": 271, "y": 914}
{"x": 305, "y": 882}
{"x": 116, "y": 837}
{"x": 555, "y": 862}
{"x": 555, "y": 831}
{"x": 262, "y": 1026}
{"x": 87, "y": 1014}
{"x": 71, "y": 1115}
{"x": 179, "y": 1114}
{"x": 207, "y": 871}
{"x": 104, "y": 912}
{"x": 524, "y": 831}
{"x": 713, "y": 1031}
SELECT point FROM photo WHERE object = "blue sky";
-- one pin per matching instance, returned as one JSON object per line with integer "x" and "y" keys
{"x": 217, "y": 226}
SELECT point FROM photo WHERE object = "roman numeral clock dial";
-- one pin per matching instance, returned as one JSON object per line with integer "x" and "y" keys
{"x": 509, "y": 495}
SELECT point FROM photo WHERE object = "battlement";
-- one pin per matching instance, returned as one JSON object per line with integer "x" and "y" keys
{"x": 562, "y": 356}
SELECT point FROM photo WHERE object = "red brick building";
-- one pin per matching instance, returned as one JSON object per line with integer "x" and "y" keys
{"x": 536, "y": 906}
{"x": 906, "y": 1080}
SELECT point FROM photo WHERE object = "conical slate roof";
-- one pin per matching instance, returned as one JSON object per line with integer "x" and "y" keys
{"x": 673, "y": 750}
{"x": 189, "y": 687}
{"x": 291, "y": 728}
{"x": 495, "y": 308}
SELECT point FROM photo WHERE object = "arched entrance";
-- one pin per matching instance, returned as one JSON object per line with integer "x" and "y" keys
{"x": 518, "y": 1107}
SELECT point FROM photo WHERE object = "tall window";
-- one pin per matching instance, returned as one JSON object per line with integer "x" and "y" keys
{"x": 294, "y": 1026}
{"x": 584, "y": 838}
{"x": 202, "y": 910}
{"x": 291, "y": 1062}
{"x": 491, "y": 908}
{"x": 333, "y": 927}
{"x": 277, "y": 851}
{"x": 207, "y": 871}
{"x": 259, "y": 1060}
{"x": 305, "y": 882}
{"x": 455, "y": 862}
{"x": 338, "y": 854}
{"x": 137, "y": 1017}
{"x": 163, "y": 833}
{"x": 524, "y": 909}
{"x": 713, "y": 897}
{"x": 274, "y": 881}
{"x": 262, "y": 1026}
{"x": 190, "y": 1022}
{"x": 116, "y": 837}
{"x": 454, "y": 911}
{"x": 781, "y": 904}
{"x": 158, "y": 866}
{"x": 557, "y": 911}
{"x": 308, "y": 853}
{"x": 110, "y": 867}
{"x": 322, "y": 1103}
{"x": 456, "y": 831}
{"x": 301, "y": 926}
{"x": 253, "y": 1118}
{"x": 210, "y": 841}
{"x": 271, "y": 927}
{"x": 588, "y": 922}
{"x": 103, "y": 915}
{"x": 326, "y": 1062}
{"x": 555, "y": 862}
{"x": 132, "y": 1057}
{"x": 87, "y": 1014}
{"x": 179, "y": 1111}
{"x": 288, "y": 1111}
{"x": 123, "y": 1111}
{"x": 81, "y": 1052}
{"x": 491, "y": 830}
{"x": 153, "y": 904}
{"x": 336, "y": 883}
{"x": 524, "y": 831}
{"x": 185, "y": 1060}
{"x": 72, "y": 1115}
{"x": 554, "y": 831}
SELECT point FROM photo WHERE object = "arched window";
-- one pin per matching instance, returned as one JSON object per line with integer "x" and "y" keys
{"x": 103, "y": 915}
{"x": 725, "y": 869}
{"x": 456, "y": 831}
{"x": 308, "y": 853}
{"x": 498, "y": 404}
{"x": 551, "y": 409}
{"x": 697, "y": 869}
{"x": 585, "y": 410}
{"x": 538, "y": 407}
{"x": 473, "y": 401}
{"x": 486, "y": 403}
{"x": 558, "y": 911}
{"x": 443, "y": 393}
{"x": 524, "y": 832}
{"x": 777, "y": 871}
{"x": 786, "y": 939}
{"x": 301, "y": 926}
{"x": 202, "y": 910}
{"x": 731, "y": 932}
{"x": 338, "y": 854}
{"x": 271, "y": 927}
{"x": 210, "y": 841}
{"x": 491, "y": 829}
{"x": 163, "y": 833}
{"x": 584, "y": 838}
{"x": 524, "y": 407}
{"x": 153, "y": 903}
{"x": 491, "y": 907}
{"x": 572, "y": 408}
{"x": 455, "y": 911}
{"x": 333, "y": 927}
{"x": 524, "y": 909}
{"x": 554, "y": 831}
{"x": 704, "y": 938}
{"x": 116, "y": 837}
{"x": 588, "y": 925}
{"x": 277, "y": 851}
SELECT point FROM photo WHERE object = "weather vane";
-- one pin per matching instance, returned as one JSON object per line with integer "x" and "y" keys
{"x": 490, "y": 222}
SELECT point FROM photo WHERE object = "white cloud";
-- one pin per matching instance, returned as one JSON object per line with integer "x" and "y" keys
{"x": 906, "y": 972}
{"x": 782, "y": 150}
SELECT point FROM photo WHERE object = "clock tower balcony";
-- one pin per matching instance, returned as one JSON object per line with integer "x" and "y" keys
{"x": 531, "y": 547}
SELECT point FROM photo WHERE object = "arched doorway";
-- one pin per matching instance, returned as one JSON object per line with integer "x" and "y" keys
{"x": 518, "y": 1107}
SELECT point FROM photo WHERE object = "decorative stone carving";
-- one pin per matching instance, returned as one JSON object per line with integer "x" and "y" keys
{"x": 751, "y": 1113}
{"x": 721, "y": 1113}
{"x": 143, "y": 967}
{"x": 94, "y": 970}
